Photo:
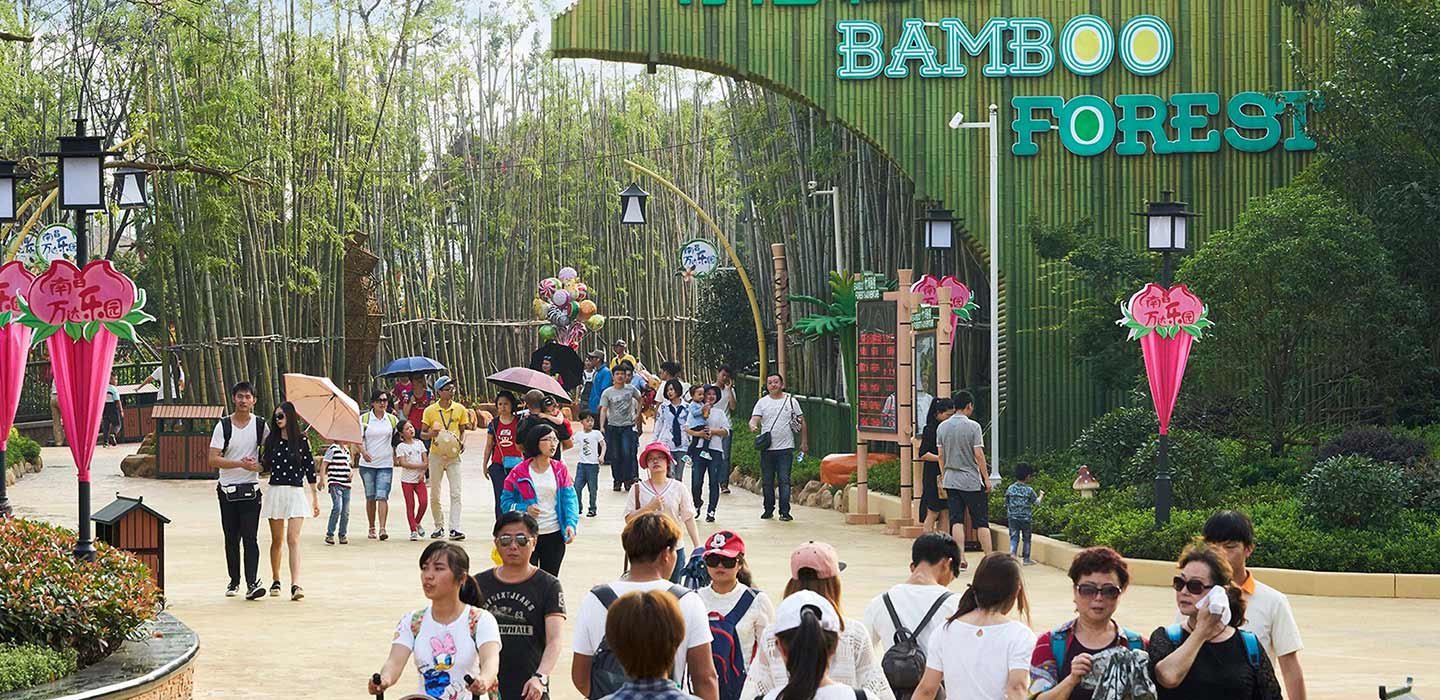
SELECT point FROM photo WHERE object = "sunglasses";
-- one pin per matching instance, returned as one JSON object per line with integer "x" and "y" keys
{"x": 720, "y": 562}
{"x": 1090, "y": 590}
{"x": 279, "y": 416}
{"x": 507, "y": 540}
{"x": 1194, "y": 585}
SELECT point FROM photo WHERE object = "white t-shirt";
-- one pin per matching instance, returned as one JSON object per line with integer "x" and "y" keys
{"x": 590, "y": 622}
{"x": 243, "y": 443}
{"x": 718, "y": 419}
{"x": 377, "y": 434}
{"x": 444, "y": 654}
{"x": 411, "y": 453}
{"x": 976, "y": 666}
{"x": 775, "y": 415}
{"x": 752, "y": 624}
{"x": 834, "y": 691}
{"x": 589, "y": 444}
{"x": 545, "y": 489}
{"x": 1268, "y": 615}
{"x": 911, "y": 602}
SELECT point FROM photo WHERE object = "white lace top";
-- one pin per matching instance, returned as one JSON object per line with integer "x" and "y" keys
{"x": 854, "y": 665}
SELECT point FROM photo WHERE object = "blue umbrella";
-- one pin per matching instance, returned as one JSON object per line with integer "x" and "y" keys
{"x": 411, "y": 365}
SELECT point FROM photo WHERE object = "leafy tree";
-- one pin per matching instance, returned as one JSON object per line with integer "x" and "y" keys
{"x": 723, "y": 332}
{"x": 1311, "y": 323}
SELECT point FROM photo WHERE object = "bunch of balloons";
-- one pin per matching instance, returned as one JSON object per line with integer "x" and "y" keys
{"x": 565, "y": 302}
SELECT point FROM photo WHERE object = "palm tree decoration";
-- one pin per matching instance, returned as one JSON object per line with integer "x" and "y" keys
{"x": 839, "y": 322}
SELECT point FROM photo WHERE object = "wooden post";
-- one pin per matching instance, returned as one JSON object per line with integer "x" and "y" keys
{"x": 782, "y": 303}
{"x": 860, "y": 514}
{"x": 905, "y": 400}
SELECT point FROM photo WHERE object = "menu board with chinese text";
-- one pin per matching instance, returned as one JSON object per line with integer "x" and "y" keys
{"x": 876, "y": 369}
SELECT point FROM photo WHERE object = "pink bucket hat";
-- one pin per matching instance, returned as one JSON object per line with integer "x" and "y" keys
{"x": 655, "y": 447}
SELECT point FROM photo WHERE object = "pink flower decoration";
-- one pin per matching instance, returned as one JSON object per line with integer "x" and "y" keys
{"x": 15, "y": 280}
{"x": 66, "y": 294}
{"x": 1155, "y": 306}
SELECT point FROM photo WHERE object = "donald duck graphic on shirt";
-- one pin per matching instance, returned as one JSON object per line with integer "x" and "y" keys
{"x": 437, "y": 676}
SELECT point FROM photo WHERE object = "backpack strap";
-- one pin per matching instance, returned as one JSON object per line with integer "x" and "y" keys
{"x": 416, "y": 619}
{"x": 738, "y": 612}
{"x": 605, "y": 594}
{"x": 900, "y": 630}
{"x": 474, "y": 622}
{"x": 859, "y": 694}
{"x": 934, "y": 608}
{"x": 1059, "y": 643}
{"x": 227, "y": 428}
{"x": 1174, "y": 632}
{"x": 678, "y": 591}
{"x": 1252, "y": 647}
{"x": 1132, "y": 640}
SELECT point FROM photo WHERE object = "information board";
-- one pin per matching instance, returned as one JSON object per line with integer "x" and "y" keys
{"x": 876, "y": 369}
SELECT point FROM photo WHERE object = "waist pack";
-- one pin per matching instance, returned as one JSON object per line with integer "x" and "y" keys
{"x": 240, "y": 493}
{"x": 904, "y": 662}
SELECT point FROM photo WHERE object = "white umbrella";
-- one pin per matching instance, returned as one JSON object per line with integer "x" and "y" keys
{"x": 332, "y": 414}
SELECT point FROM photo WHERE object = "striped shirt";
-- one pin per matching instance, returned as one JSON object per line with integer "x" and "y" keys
{"x": 337, "y": 466}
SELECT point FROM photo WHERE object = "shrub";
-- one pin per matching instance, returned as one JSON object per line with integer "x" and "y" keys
{"x": 25, "y": 665}
{"x": 21, "y": 449}
{"x": 1196, "y": 472}
{"x": 1247, "y": 465}
{"x": 1109, "y": 443}
{"x": 1353, "y": 491}
{"x": 1423, "y": 481}
{"x": 1376, "y": 443}
{"x": 50, "y": 598}
{"x": 744, "y": 456}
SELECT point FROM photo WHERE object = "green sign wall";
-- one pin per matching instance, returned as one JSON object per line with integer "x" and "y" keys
{"x": 1102, "y": 105}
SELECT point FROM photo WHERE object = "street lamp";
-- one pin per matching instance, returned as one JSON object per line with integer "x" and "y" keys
{"x": 8, "y": 179}
{"x": 1167, "y": 227}
{"x": 939, "y": 228}
{"x": 130, "y": 192}
{"x": 632, "y": 205}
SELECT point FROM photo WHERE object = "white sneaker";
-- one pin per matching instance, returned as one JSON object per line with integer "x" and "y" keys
{"x": 414, "y": 536}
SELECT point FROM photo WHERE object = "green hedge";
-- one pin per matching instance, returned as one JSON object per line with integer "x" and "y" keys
{"x": 21, "y": 449}
{"x": 26, "y": 665}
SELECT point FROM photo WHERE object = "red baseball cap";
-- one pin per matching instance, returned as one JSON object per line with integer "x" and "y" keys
{"x": 655, "y": 447}
{"x": 725, "y": 543}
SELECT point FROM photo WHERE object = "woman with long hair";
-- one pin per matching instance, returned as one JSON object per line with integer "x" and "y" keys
{"x": 1207, "y": 655}
{"x": 815, "y": 567}
{"x": 980, "y": 653}
{"x": 504, "y": 449}
{"x": 807, "y": 632}
{"x": 733, "y": 602}
{"x": 451, "y": 638}
{"x": 670, "y": 417}
{"x": 287, "y": 456}
{"x": 934, "y": 512}
{"x": 1062, "y": 656}
{"x": 541, "y": 487}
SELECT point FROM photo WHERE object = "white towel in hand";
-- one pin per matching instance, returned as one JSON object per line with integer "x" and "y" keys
{"x": 1217, "y": 602}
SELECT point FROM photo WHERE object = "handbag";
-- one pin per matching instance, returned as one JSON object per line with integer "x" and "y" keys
{"x": 240, "y": 493}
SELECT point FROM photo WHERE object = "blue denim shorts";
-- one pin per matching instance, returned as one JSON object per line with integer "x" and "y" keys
{"x": 377, "y": 482}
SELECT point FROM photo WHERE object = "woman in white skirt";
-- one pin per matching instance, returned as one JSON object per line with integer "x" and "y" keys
{"x": 287, "y": 456}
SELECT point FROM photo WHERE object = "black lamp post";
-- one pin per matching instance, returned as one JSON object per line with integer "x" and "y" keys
{"x": 632, "y": 205}
{"x": 939, "y": 235}
{"x": 1167, "y": 229}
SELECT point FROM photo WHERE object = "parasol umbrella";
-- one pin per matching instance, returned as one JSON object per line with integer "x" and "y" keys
{"x": 523, "y": 379}
{"x": 564, "y": 361}
{"x": 332, "y": 414}
{"x": 411, "y": 365}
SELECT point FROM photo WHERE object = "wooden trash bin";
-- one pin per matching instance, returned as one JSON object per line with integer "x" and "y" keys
{"x": 130, "y": 525}
{"x": 137, "y": 404}
{"x": 182, "y": 440}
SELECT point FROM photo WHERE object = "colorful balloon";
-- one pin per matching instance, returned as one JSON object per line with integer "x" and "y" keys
{"x": 574, "y": 309}
{"x": 586, "y": 309}
{"x": 538, "y": 307}
{"x": 548, "y": 286}
{"x": 547, "y": 333}
{"x": 560, "y": 298}
{"x": 581, "y": 291}
{"x": 596, "y": 322}
{"x": 568, "y": 273}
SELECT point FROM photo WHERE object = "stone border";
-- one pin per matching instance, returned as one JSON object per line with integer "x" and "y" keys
{"x": 158, "y": 667}
{"x": 1151, "y": 572}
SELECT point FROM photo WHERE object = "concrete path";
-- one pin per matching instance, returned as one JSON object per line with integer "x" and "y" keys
{"x": 328, "y": 644}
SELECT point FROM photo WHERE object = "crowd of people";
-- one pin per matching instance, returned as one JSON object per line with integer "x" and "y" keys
{"x": 686, "y": 620}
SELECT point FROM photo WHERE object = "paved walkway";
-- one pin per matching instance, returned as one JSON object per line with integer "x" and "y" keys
{"x": 328, "y": 644}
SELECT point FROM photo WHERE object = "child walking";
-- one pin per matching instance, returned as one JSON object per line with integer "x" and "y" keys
{"x": 410, "y": 457}
{"x": 592, "y": 452}
{"x": 336, "y": 469}
{"x": 1020, "y": 500}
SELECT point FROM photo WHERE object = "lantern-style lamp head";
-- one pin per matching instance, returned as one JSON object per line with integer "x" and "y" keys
{"x": 130, "y": 191}
{"x": 632, "y": 205}
{"x": 82, "y": 160}
{"x": 8, "y": 200}
{"x": 939, "y": 228}
{"x": 1167, "y": 226}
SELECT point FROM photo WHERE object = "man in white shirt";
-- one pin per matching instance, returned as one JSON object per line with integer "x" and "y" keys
{"x": 1267, "y": 611}
{"x": 649, "y": 542}
{"x": 725, "y": 379}
{"x": 934, "y": 563}
{"x": 774, "y": 413}
{"x": 235, "y": 454}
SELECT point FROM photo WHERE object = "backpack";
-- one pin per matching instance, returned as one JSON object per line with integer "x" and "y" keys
{"x": 606, "y": 673}
{"x": 1060, "y": 643}
{"x": 227, "y": 429}
{"x": 904, "y": 662}
{"x": 725, "y": 648}
{"x": 1248, "y": 638}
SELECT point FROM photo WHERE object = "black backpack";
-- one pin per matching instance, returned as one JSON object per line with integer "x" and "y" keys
{"x": 227, "y": 429}
{"x": 606, "y": 673}
{"x": 904, "y": 662}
